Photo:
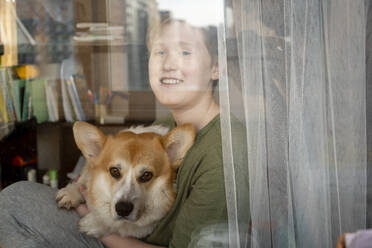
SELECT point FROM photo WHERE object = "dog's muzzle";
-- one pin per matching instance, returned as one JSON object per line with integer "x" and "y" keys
{"x": 123, "y": 209}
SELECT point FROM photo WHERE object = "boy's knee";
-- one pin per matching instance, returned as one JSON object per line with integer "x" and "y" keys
{"x": 17, "y": 188}
{"x": 20, "y": 190}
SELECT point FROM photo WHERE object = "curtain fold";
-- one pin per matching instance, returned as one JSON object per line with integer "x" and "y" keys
{"x": 293, "y": 72}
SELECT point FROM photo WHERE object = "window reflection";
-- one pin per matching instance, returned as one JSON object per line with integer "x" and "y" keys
{"x": 50, "y": 25}
{"x": 98, "y": 46}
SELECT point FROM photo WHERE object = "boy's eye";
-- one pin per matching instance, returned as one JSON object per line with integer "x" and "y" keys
{"x": 159, "y": 52}
{"x": 186, "y": 53}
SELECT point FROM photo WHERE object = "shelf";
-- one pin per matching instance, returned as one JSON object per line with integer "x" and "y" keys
{"x": 98, "y": 42}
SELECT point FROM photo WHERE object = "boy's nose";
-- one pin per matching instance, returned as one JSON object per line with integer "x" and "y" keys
{"x": 171, "y": 62}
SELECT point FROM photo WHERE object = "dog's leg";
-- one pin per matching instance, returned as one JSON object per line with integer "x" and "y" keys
{"x": 91, "y": 225}
{"x": 69, "y": 196}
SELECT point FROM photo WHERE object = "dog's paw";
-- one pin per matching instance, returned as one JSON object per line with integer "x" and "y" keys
{"x": 91, "y": 226}
{"x": 69, "y": 197}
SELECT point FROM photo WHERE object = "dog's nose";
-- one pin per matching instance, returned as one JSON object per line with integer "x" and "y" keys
{"x": 123, "y": 209}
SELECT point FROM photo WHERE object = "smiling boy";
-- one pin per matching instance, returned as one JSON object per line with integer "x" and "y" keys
{"x": 183, "y": 71}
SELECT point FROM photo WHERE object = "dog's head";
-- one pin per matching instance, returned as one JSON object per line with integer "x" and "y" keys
{"x": 131, "y": 174}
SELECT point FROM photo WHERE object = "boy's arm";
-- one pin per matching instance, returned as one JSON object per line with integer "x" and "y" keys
{"x": 115, "y": 241}
{"x": 203, "y": 213}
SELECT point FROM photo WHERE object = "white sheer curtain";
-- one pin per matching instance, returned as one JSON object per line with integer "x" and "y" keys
{"x": 294, "y": 73}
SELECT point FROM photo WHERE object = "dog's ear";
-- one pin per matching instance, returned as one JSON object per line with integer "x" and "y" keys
{"x": 177, "y": 142}
{"x": 89, "y": 139}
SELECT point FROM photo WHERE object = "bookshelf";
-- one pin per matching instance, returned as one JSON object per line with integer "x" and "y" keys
{"x": 50, "y": 65}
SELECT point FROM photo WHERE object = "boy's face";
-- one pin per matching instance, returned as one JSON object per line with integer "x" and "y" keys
{"x": 180, "y": 67}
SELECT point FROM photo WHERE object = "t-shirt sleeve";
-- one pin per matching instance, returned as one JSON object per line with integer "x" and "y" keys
{"x": 203, "y": 214}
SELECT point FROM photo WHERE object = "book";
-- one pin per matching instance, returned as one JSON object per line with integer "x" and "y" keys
{"x": 66, "y": 69}
{"x": 3, "y": 103}
{"x": 87, "y": 25}
{"x": 7, "y": 95}
{"x": 88, "y": 32}
{"x": 13, "y": 91}
{"x": 26, "y": 104}
{"x": 38, "y": 100}
{"x": 10, "y": 94}
{"x": 75, "y": 99}
{"x": 17, "y": 91}
{"x": 52, "y": 100}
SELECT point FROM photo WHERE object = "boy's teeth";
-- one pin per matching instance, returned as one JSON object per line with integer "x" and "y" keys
{"x": 171, "y": 81}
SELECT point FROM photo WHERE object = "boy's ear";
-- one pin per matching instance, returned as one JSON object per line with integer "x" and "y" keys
{"x": 89, "y": 139}
{"x": 215, "y": 72}
{"x": 177, "y": 142}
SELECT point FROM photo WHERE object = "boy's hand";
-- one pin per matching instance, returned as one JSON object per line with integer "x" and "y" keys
{"x": 82, "y": 209}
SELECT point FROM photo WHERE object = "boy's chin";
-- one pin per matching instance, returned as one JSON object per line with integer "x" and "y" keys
{"x": 172, "y": 103}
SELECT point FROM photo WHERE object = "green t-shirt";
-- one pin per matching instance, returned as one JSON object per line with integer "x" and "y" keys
{"x": 200, "y": 205}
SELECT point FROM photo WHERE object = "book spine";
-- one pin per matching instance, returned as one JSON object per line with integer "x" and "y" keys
{"x": 26, "y": 101}
{"x": 53, "y": 100}
{"x": 78, "y": 102}
{"x": 3, "y": 102}
{"x": 71, "y": 95}
{"x": 8, "y": 99}
{"x": 51, "y": 114}
{"x": 66, "y": 104}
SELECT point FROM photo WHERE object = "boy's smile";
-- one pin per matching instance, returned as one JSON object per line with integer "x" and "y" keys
{"x": 170, "y": 81}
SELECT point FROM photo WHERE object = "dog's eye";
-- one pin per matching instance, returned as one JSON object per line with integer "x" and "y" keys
{"x": 146, "y": 176}
{"x": 115, "y": 172}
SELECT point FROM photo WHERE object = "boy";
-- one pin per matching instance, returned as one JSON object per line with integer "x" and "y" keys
{"x": 183, "y": 71}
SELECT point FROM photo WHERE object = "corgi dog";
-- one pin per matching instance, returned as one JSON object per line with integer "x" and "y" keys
{"x": 129, "y": 177}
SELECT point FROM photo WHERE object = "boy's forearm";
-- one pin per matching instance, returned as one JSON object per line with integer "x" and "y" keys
{"x": 115, "y": 241}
